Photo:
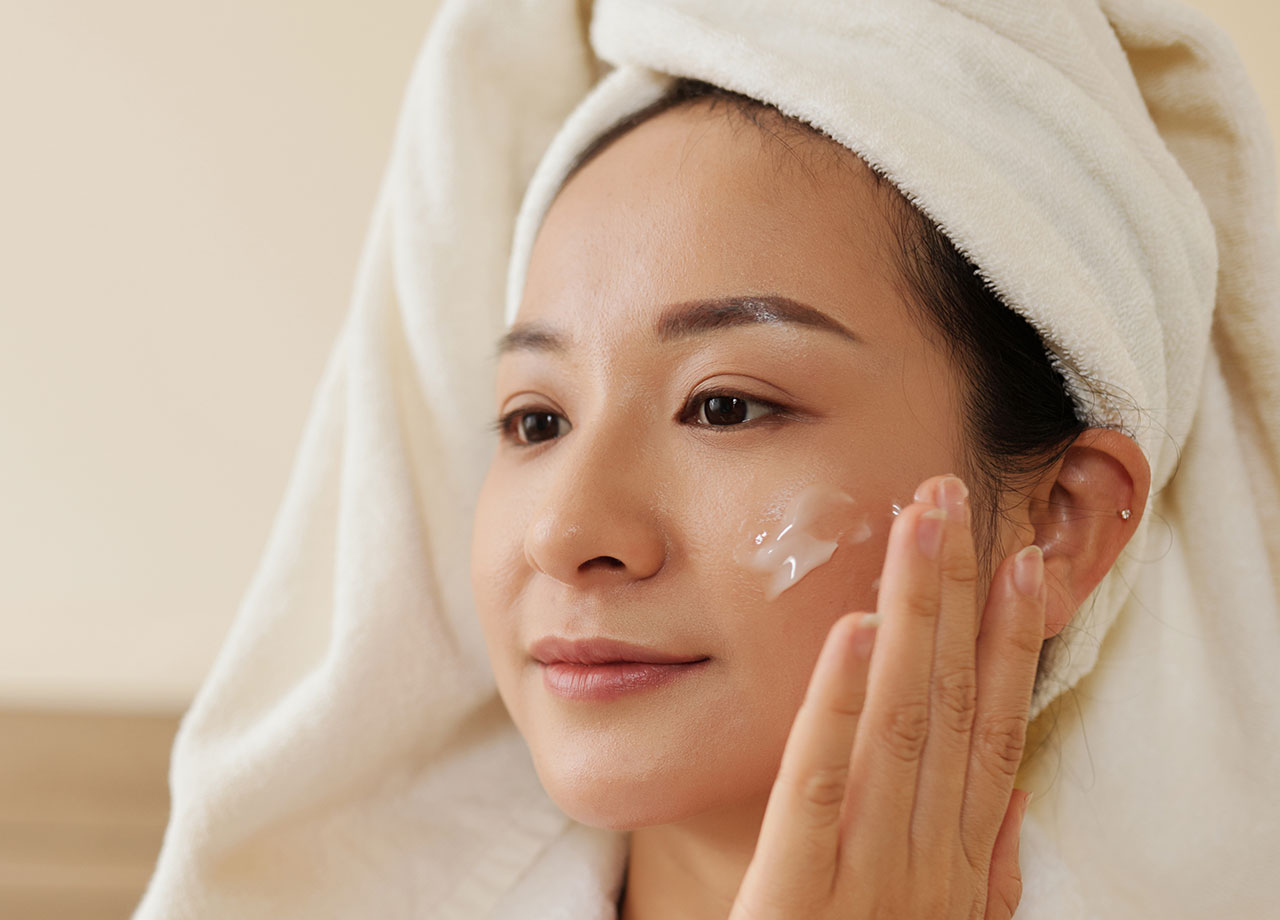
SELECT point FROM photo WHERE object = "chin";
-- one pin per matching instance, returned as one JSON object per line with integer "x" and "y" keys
{"x": 615, "y": 799}
{"x": 618, "y": 813}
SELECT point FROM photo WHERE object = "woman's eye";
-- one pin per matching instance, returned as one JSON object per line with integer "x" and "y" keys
{"x": 723, "y": 410}
{"x": 526, "y": 427}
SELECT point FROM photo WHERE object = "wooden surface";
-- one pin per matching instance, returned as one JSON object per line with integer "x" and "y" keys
{"x": 83, "y": 802}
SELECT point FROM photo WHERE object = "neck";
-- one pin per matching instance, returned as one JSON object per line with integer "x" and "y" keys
{"x": 692, "y": 869}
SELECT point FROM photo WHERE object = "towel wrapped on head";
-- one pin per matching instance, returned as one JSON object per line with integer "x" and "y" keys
{"x": 1106, "y": 166}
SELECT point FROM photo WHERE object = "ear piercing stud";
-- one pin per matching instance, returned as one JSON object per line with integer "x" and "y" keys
{"x": 1125, "y": 514}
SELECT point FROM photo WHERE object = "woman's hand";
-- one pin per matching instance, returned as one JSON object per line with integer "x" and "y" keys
{"x": 899, "y": 802}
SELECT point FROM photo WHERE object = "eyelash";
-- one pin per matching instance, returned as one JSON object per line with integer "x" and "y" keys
{"x": 503, "y": 424}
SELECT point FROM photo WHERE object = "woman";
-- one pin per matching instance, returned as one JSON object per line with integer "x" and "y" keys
{"x": 379, "y": 737}
{"x": 634, "y": 437}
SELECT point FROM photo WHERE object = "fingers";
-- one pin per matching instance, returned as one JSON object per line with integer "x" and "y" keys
{"x": 954, "y": 688}
{"x": 944, "y": 720}
{"x": 895, "y": 720}
{"x": 1009, "y": 644}
{"x": 800, "y": 834}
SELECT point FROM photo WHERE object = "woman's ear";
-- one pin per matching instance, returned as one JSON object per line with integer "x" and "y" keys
{"x": 1079, "y": 521}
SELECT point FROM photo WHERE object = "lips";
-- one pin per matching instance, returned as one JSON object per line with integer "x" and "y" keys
{"x": 599, "y": 669}
{"x": 615, "y": 680}
{"x": 553, "y": 649}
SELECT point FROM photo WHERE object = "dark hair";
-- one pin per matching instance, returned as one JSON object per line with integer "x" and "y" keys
{"x": 1020, "y": 418}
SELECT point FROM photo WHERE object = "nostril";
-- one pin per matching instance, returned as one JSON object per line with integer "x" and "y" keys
{"x": 608, "y": 561}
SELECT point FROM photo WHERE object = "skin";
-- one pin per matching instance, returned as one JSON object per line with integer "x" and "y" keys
{"x": 622, "y": 519}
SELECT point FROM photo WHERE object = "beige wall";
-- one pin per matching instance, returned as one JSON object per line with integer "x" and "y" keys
{"x": 185, "y": 190}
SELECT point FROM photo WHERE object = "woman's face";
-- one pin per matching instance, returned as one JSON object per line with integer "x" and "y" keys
{"x": 621, "y": 496}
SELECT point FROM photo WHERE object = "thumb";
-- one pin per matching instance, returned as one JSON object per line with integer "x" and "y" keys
{"x": 1004, "y": 881}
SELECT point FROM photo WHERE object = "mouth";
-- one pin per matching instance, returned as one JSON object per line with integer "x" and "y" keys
{"x": 603, "y": 669}
{"x": 588, "y": 682}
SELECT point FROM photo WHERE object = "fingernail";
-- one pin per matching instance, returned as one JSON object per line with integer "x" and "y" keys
{"x": 1026, "y": 800}
{"x": 929, "y": 531}
{"x": 924, "y": 492}
{"x": 1028, "y": 571}
{"x": 864, "y": 635}
{"x": 955, "y": 496}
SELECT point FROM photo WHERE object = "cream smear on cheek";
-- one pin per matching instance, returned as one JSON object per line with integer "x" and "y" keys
{"x": 814, "y": 522}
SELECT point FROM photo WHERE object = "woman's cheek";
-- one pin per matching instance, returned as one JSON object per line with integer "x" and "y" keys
{"x": 811, "y": 553}
{"x": 815, "y": 543}
{"x": 496, "y": 560}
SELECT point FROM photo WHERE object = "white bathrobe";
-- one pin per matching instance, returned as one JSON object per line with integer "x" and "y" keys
{"x": 1106, "y": 165}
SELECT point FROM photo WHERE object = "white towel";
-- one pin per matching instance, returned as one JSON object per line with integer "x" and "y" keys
{"x": 1108, "y": 167}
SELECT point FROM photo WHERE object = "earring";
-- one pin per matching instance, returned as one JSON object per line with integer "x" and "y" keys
{"x": 1125, "y": 514}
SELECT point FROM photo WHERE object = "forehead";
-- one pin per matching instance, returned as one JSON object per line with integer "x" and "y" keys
{"x": 697, "y": 203}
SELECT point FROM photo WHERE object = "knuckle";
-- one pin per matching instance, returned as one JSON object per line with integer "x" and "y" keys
{"x": 905, "y": 730}
{"x": 1026, "y": 643}
{"x": 1000, "y": 742}
{"x": 1008, "y": 896}
{"x": 1013, "y": 892}
{"x": 822, "y": 790}
{"x": 957, "y": 699}
{"x": 959, "y": 567}
{"x": 845, "y": 707}
{"x": 922, "y": 604}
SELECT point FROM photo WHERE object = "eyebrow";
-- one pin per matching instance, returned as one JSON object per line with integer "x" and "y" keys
{"x": 694, "y": 317}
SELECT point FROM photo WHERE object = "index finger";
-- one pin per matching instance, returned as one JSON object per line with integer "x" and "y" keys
{"x": 895, "y": 727}
{"x": 800, "y": 835}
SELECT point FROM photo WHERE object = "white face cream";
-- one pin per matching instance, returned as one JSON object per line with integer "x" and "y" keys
{"x": 817, "y": 519}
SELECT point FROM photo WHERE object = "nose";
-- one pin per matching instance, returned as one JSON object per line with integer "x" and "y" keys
{"x": 597, "y": 522}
